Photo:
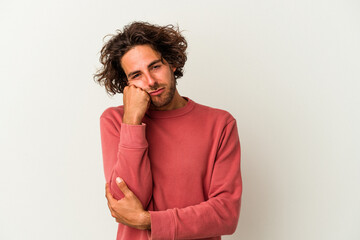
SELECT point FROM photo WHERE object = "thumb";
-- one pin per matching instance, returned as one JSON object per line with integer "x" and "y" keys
{"x": 123, "y": 187}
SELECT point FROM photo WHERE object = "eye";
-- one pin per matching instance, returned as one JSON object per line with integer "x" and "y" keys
{"x": 135, "y": 76}
{"x": 156, "y": 66}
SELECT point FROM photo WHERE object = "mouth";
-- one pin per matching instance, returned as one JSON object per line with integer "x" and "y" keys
{"x": 157, "y": 92}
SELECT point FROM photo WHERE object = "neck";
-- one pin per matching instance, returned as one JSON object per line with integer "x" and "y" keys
{"x": 176, "y": 102}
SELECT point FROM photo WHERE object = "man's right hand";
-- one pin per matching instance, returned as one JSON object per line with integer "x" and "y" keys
{"x": 136, "y": 102}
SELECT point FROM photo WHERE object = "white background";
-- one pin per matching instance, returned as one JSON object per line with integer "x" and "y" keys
{"x": 288, "y": 71}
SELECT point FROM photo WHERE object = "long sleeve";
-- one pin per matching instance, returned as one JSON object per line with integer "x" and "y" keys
{"x": 125, "y": 155}
{"x": 220, "y": 213}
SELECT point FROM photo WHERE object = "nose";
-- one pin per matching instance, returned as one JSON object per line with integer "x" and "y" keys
{"x": 150, "y": 79}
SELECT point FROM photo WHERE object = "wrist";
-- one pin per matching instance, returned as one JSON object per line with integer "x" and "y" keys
{"x": 145, "y": 220}
{"x": 133, "y": 120}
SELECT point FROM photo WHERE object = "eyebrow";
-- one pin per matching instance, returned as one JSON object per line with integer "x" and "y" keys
{"x": 149, "y": 66}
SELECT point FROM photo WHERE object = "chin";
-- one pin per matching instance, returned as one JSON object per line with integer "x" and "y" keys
{"x": 158, "y": 104}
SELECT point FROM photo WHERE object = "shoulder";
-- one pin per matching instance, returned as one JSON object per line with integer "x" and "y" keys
{"x": 114, "y": 113}
{"x": 216, "y": 114}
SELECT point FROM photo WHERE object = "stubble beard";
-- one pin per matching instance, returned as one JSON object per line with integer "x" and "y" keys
{"x": 167, "y": 96}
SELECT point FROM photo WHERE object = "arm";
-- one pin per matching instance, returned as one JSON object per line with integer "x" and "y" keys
{"x": 125, "y": 155}
{"x": 219, "y": 214}
{"x": 129, "y": 210}
{"x": 125, "y": 148}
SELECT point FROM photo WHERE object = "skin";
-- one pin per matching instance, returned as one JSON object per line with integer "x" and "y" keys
{"x": 128, "y": 210}
{"x": 146, "y": 72}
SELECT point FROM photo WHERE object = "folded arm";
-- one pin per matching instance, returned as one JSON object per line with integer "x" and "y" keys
{"x": 125, "y": 155}
{"x": 220, "y": 213}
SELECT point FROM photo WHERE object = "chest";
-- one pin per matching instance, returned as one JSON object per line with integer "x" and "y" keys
{"x": 181, "y": 150}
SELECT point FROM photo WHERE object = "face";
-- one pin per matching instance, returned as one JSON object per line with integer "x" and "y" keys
{"x": 145, "y": 69}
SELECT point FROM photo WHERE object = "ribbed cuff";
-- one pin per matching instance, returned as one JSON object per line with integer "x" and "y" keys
{"x": 162, "y": 225}
{"x": 133, "y": 136}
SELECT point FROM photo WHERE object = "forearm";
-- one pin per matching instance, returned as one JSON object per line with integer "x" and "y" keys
{"x": 139, "y": 179}
{"x": 214, "y": 217}
{"x": 126, "y": 155}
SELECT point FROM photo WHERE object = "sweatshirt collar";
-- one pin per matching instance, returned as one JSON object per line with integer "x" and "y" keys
{"x": 172, "y": 113}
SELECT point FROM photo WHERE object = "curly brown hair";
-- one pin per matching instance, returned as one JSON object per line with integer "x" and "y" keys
{"x": 166, "y": 40}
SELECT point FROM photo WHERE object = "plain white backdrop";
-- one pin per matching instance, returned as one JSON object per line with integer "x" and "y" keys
{"x": 288, "y": 71}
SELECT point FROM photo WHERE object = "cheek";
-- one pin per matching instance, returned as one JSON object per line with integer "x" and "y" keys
{"x": 137, "y": 83}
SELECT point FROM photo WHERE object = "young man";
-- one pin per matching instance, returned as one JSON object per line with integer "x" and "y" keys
{"x": 172, "y": 166}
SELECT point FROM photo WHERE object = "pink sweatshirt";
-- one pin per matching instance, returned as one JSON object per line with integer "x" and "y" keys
{"x": 183, "y": 165}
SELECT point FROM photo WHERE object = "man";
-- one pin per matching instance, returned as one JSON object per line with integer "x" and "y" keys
{"x": 172, "y": 166}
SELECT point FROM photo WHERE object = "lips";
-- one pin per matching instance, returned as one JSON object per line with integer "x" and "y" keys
{"x": 157, "y": 92}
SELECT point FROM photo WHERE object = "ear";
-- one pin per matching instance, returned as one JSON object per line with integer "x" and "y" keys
{"x": 173, "y": 69}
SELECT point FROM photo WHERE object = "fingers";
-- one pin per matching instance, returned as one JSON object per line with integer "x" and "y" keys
{"x": 108, "y": 202}
{"x": 111, "y": 201}
{"x": 109, "y": 198}
{"x": 123, "y": 187}
{"x": 111, "y": 210}
{"x": 131, "y": 86}
{"x": 108, "y": 195}
{"x": 126, "y": 88}
{"x": 118, "y": 220}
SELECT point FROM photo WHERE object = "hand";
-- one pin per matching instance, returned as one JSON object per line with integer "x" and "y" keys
{"x": 128, "y": 210}
{"x": 136, "y": 102}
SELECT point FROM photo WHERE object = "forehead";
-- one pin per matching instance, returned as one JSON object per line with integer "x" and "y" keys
{"x": 138, "y": 57}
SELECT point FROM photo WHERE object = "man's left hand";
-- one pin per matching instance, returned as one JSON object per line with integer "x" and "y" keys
{"x": 128, "y": 210}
